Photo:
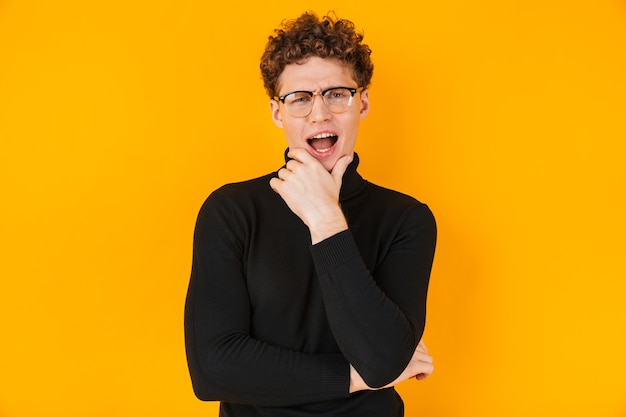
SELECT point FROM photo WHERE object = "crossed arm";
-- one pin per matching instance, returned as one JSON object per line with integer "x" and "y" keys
{"x": 312, "y": 193}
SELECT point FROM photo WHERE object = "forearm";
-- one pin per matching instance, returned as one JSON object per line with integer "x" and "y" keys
{"x": 372, "y": 332}
{"x": 246, "y": 371}
{"x": 378, "y": 321}
{"x": 227, "y": 364}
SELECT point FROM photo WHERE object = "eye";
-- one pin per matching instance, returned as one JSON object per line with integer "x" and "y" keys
{"x": 338, "y": 94}
{"x": 298, "y": 98}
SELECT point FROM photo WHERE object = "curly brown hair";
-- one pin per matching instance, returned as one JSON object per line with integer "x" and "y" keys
{"x": 308, "y": 35}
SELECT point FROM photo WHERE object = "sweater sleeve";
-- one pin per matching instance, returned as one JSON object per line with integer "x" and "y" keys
{"x": 225, "y": 362}
{"x": 378, "y": 317}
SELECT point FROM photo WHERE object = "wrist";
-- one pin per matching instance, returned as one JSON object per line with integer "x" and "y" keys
{"x": 327, "y": 229}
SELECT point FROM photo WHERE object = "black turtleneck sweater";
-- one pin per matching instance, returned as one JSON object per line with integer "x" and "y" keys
{"x": 273, "y": 322}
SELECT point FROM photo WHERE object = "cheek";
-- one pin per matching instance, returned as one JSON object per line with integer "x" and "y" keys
{"x": 352, "y": 128}
{"x": 292, "y": 133}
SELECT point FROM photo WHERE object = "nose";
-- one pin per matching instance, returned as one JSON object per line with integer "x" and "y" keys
{"x": 319, "y": 112}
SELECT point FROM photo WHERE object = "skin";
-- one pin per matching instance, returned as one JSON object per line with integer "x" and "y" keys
{"x": 310, "y": 182}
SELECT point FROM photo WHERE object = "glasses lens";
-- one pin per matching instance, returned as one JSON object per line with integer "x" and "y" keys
{"x": 338, "y": 99}
{"x": 298, "y": 104}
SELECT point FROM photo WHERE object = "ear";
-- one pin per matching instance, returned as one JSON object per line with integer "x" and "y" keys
{"x": 277, "y": 116}
{"x": 365, "y": 103}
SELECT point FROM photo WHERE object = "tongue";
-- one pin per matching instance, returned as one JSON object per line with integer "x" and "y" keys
{"x": 322, "y": 143}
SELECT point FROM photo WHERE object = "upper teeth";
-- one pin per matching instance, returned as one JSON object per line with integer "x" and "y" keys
{"x": 322, "y": 135}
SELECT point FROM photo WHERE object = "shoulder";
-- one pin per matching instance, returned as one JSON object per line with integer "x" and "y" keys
{"x": 243, "y": 189}
{"x": 396, "y": 210}
{"x": 396, "y": 200}
{"x": 238, "y": 196}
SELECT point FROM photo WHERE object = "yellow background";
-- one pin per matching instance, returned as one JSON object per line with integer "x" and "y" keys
{"x": 508, "y": 118}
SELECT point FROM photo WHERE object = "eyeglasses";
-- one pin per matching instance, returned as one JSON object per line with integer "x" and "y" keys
{"x": 336, "y": 100}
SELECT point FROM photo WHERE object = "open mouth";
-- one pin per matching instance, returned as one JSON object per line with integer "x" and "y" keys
{"x": 322, "y": 142}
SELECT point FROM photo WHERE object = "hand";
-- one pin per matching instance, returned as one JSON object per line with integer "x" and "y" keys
{"x": 312, "y": 192}
{"x": 420, "y": 367}
{"x": 421, "y": 362}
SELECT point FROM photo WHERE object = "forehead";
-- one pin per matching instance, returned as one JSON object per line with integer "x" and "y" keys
{"x": 315, "y": 73}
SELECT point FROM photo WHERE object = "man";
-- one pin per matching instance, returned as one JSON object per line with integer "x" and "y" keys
{"x": 308, "y": 287}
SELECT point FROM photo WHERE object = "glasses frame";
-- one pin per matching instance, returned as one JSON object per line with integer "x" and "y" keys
{"x": 322, "y": 93}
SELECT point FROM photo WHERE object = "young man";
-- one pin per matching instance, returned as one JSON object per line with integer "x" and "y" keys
{"x": 308, "y": 286}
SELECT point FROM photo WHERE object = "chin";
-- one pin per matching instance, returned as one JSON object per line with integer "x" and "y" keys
{"x": 329, "y": 164}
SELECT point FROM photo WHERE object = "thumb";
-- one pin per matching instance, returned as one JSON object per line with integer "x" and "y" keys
{"x": 340, "y": 168}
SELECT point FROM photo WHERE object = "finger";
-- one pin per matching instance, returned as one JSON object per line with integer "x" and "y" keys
{"x": 283, "y": 173}
{"x": 299, "y": 154}
{"x": 425, "y": 372}
{"x": 292, "y": 164}
{"x": 422, "y": 346}
{"x": 426, "y": 358}
{"x": 421, "y": 377}
{"x": 422, "y": 357}
{"x": 275, "y": 183}
{"x": 340, "y": 168}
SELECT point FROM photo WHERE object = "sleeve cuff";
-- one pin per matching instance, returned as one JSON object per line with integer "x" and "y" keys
{"x": 335, "y": 378}
{"x": 334, "y": 251}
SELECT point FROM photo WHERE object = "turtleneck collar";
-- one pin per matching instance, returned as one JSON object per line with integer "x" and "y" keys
{"x": 352, "y": 181}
